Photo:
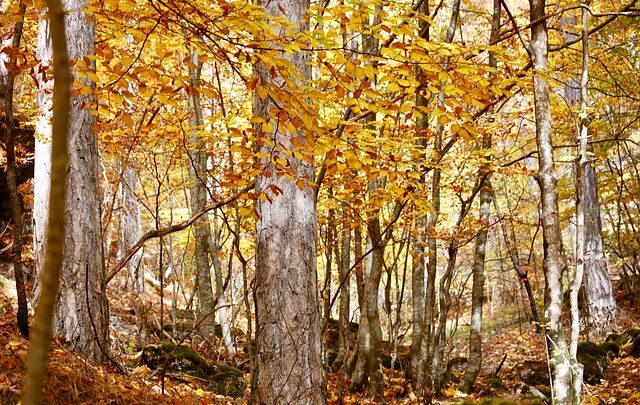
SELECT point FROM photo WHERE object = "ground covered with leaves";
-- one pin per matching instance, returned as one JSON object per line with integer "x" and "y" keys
{"x": 514, "y": 370}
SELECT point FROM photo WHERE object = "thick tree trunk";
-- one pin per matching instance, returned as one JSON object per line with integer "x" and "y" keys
{"x": 82, "y": 314}
{"x": 372, "y": 285}
{"x": 563, "y": 389}
{"x": 601, "y": 301}
{"x": 289, "y": 339}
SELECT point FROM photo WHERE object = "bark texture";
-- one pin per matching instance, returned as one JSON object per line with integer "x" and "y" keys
{"x": 41, "y": 329}
{"x": 130, "y": 227}
{"x": 602, "y": 305}
{"x": 82, "y": 313}
{"x": 288, "y": 334}
{"x": 198, "y": 200}
{"x": 547, "y": 179}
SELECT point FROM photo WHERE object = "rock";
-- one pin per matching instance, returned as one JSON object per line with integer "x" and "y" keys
{"x": 223, "y": 380}
{"x": 455, "y": 369}
{"x": 534, "y": 373}
{"x": 630, "y": 337}
{"x": 594, "y": 359}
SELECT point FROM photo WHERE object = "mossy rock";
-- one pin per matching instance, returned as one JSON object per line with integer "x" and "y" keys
{"x": 534, "y": 373}
{"x": 594, "y": 359}
{"x": 630, "y": 336}
{"x": 223, "y": 380}
{"x": 611, "y": 349}
{"x": 228, "y": 381}
{"x": 627, "y": 336}
{"x": 455, "y": 369}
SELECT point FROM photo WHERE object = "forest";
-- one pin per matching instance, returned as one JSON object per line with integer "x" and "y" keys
{"x": 320, "y": 202}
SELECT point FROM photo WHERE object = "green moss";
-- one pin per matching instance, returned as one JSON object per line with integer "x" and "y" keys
{"x": 610, "y": 348}
{"x": 224, "y": 380}
{"x": 627, "y": 336}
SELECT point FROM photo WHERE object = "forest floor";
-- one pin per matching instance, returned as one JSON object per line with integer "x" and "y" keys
{"x": 513, "y": 350}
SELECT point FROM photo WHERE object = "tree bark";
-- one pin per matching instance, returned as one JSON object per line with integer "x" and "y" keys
{"x": 562, "y": 392}
{"x": 477, "y": 292}
{"x": 198, "y": 200}
{"x": 22, "y": 316}
{"x": 42, "y": 325}
{"x": 82, "y": 313}
{"x": 130, "y": 227}
{"x": 602, "y": 306}
{"x": 289, "y": 339}
{"x": 420, "y": 246}
{"x": 344, "y": 338}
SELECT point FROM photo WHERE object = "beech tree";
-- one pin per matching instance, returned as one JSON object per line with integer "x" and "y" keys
{"x": 288, "y": 335}
{"x": 82, "y": 310}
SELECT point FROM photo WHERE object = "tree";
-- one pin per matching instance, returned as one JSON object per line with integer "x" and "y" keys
{"x": 41, "y": 332}
{"x": 82, "y": 314}
{"x": 563, "y": 388}
{"x": 198, "y": 196}
{"x": 288, "y": 335}
{"x": 7, "y": 84}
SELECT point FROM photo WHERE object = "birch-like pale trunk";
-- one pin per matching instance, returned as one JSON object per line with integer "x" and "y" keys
{"x": 130, "y": 227}
{"x": 562, "y": 387}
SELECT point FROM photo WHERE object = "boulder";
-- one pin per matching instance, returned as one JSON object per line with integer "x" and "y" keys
{"x": 223, "y": 380}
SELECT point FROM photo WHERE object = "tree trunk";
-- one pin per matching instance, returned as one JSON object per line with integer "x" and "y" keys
{"x": 42, "y": 324}
{"x": 198, "y": 196}
{"x": 22, "y": 316}
{"x": 130, "y": 227}
{"x": 372, "y": 285}
{"x": 82, "y": 313}
{"x": 289, "y": 339}
{"x": 344, "y": 338}
{"x": 547, "y": 179}
{"x": 213, "y": 239}
{"x": 601, "y": 301}
{"x": 477, "y": 292}
{"x": 420, "y": 246}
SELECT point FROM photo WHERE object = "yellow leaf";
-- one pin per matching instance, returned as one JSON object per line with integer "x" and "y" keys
{"x": 262, "y": 92}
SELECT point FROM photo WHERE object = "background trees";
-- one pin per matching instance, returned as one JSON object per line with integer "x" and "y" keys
{"x": 392, "y": 145}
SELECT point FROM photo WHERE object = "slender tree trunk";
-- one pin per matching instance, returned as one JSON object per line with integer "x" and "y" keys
{"x": 420, "y": 246}
{"x": 511, "y": 243}
{"x": 345, "y": 293}
{"x": 289, "y": 339}
{"x": 198, "y": 196}
{"x": 130, "y": 227}
{"x": 477, "y": 292}
{"x": 22, "y": 316}
{"x": 563, "y": 388}
{"x": 42, "y": 325}
{"x": 213, "y": 239}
